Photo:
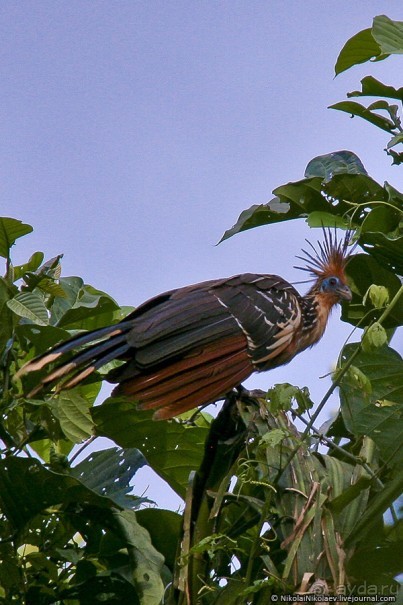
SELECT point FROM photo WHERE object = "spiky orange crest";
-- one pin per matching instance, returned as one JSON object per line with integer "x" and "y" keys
{"x": 331, "y": 257}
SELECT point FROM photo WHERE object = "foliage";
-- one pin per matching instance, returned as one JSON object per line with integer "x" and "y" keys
{"x": 268, "y": 509}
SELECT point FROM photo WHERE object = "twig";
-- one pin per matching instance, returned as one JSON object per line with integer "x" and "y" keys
{"x": 337, "y": 448}
{"x": 82, "y": 448}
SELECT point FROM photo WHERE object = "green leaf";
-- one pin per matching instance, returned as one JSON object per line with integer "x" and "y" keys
{"x": 363, "y": 271}
{"x": 258, "y": 215}
{"x": 392, "y": 110}
{"x": 325, "y": 219}
{"x": 30, "y": 306}
{"x": 72, "y": 287}
{"x": 83, "y": 307}
{"x": 109, "y": 473}
{"x": 384, "y": 369}
{"x": 146, "y": 561}
{"x": 45, "y": 448}
{"x": 371, "y": 87}
{"x": 10, "y": 230}
{"x": 387, "y": 248}
{"x": 337, "y": 162}
{"x": 356, "y": 109}
{"x": 378, "y": 295}
{"x": 7, "y": 318}
{"x": 374, "y": 337}
{"x": 384, "y": 425}
{"x": 50, "y": 286}
{"x": 353, "y": 188}
{"x": 164, "y": 527}
{"x": 360, "y": 48}
{"x": 381, "y": 218}
{"x": 42, "y": 337}
{"x": 182, "y": 444}
{"x": 32, "y": 265}
{"x": 72, "y": 411}
{"x": 348, "y": 492}
{"x": 282, "y": 396}
{"x": 378, "y": 505}
{"x": 28, "y": 488}
{"x": 396, "y": 140}
{"x": 388, "y": 35}
{"x": 274, "y": 437}
{"x": 378, "y": 563}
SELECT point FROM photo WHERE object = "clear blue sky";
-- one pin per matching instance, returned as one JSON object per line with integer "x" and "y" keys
{"x": 133, "y": 133}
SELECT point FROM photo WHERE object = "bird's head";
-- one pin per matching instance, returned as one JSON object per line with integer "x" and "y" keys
{"x": 335, "y": 287}
{"x": 327, "y": 267}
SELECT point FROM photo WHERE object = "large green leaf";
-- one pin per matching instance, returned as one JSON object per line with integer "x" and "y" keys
{"x": 349, "y": 493}
{"x": 28, "y": 488}
{"x": 261, "y": 214}
{"x": 381, "y": 564}
{"x": 164, "y": 527}
{"x": 42, "y": 337}
{"x": 10, "y": 230}
{"x": 371, "y": 396}
{"x": 72, "y": 411}
{"x": 360, "y": 48}
{"x": 338, "y": 162}
{"x": 388, "y": 35}
{"x": 109, "y": 473}
{"x": 146, "y": 561}
{"x": 293, "y": 200}
{"x": 30, "y": 305}
{"x": 387, "y": 248}
{"x": 172, "y": 449}
{"x": 383, "y": 219}
{"x": 384, "y": 368}
{"x": 379, "y": 503}
{"x": 32, "y": 265}
{"x": 384, "y": 425}
{"x": 381, "y": 233}
{"x": 83, "y": 307}
{"x": 363, "y": 271}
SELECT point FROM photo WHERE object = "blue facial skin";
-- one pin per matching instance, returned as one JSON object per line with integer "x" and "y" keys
{"x": 333, "y": 285}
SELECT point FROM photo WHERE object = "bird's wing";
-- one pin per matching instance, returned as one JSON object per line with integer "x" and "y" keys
{"x": 268, "y": 310}
{"x": 187, "y": 351}
{"x": 205, "y": 341}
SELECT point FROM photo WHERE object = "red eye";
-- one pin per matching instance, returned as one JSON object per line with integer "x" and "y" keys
{"x": 332, "y": 281}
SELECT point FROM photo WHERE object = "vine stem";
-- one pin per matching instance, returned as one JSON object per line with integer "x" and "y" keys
{"x": 338, "y": 376}
{"x": 82, "y": 448}
{"x": 345, "y": 453}
{"x": 391, "y": 305}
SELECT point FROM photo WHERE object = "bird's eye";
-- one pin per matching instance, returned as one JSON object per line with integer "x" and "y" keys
{"x": 332, "y": 281}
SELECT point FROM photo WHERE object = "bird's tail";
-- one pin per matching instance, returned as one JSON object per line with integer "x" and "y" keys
{"x": 105, "y": 345}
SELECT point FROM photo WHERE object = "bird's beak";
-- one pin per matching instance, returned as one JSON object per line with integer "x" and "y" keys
{"x": 344, "y": 293}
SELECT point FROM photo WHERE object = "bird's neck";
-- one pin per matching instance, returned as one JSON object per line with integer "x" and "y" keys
{"x": 316, "y": 307}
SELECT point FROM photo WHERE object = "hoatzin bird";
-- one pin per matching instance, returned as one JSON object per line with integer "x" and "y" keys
{"x": 191, "y": 346}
